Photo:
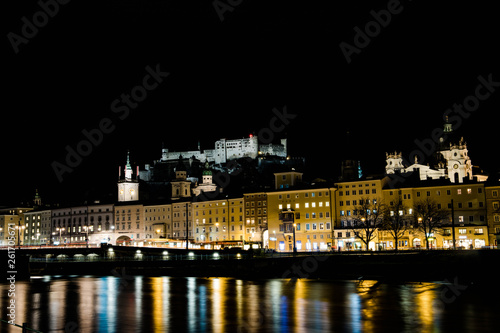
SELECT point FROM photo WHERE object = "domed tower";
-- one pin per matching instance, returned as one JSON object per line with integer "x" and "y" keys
{"x": 207, "y": 184}
{"x": 456, "y": 154}
{"x": 181, "y": 187}
{"x": 207, "y": 174}
{"x": 394, "y": 163}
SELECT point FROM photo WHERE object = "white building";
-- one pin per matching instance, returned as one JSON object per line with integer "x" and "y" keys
{"x": 81, "y": 224}
{"x": 226, "y": 150}
{"x": 452, "y": 161}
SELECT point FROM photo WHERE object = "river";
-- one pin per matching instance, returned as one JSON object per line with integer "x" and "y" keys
{"x": 123, "y": 303}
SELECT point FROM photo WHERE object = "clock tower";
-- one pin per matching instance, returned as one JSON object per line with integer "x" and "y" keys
{"x": 128, "y": 188}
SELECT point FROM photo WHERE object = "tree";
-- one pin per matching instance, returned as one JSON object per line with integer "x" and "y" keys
{"x": 429, "y": 217}
{"x": 366, "y": 221}
{"x": 395, "y": 221}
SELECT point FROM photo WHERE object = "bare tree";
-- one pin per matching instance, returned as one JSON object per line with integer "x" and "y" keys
{"x": 366, "y": 220}
{"x": 429, "y": 217}
{"x": 395, "y": 221}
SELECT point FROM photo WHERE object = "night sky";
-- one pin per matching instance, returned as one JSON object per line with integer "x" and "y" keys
{"x": 229, "y": 65}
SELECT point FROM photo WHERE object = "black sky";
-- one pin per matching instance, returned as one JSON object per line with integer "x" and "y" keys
{"x": 227, "y": 76}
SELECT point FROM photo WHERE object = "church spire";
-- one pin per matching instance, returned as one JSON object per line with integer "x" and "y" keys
{"x": 447, "y": 126}
{"x": 128, "y": 168}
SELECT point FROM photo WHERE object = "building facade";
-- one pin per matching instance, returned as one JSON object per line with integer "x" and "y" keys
{"x": 256, "y": 218}
{"x": 129, "y": 224}
{"x": 493, "y": 213}
{"x": 38, "y": 227}
{"x": 157, "y": 222}
{"x": 305, "y": 215}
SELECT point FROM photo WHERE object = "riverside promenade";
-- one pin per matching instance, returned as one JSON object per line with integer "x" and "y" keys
{"x": 434, "y": 265}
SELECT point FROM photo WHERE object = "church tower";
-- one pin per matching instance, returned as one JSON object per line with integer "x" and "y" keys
{"x": 207, "y": 184}
{"x": 181, "y": 187}
{"x": 454, "y": 151}
{"x": 394, "y": 163}
{"x": 128, "y": 188}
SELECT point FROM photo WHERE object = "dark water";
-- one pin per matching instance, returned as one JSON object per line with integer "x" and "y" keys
{"x": 124, "y": 303}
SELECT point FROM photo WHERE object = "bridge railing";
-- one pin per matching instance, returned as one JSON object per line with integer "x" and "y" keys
{"x": 142, "y": 258}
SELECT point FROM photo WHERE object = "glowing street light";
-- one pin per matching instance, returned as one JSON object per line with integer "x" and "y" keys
{"x": 60, "y": 230}
{"x": 19, "y": 228}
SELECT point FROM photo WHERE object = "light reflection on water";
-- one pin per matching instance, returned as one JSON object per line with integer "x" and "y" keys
{"x": 165, "y": 304}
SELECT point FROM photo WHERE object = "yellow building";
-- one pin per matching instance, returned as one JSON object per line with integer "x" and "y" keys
{"x": 493, "y": 213}
{"x": 469, "y": 210}
{"x": 219, "y": 223}
{"x": 305, "y": 213}
{"x": 181, "y": 214}
{"x": 255, "y": 217}
{"x": 284, "y": 180}
{"x": 349, "y": 196}
{"x": 157, "y": 223}
{"x": 236, "y": 220}
{"x": 11, "y": 223}
{"x": 211, "y": 222}
{"x": 129, "y": 224}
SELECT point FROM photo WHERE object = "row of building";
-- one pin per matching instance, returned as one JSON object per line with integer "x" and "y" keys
{"x": 291, "y": 214}
{"x": 321, "y": 219}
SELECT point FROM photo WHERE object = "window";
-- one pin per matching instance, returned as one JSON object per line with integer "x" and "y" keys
{"x": 314, "y": 226}
{"x": 459, "y": 191}
{"x": 307, "y": 226}
{"x": 462, "y": 231}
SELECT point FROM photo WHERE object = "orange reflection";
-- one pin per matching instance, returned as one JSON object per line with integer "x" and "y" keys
{"x": 219, "y": 286}
{"x": 57, "y": 303}
{"x": 425, "y": 296}
{"x": 157, "y": 284}
{"x": 86, "y": 314}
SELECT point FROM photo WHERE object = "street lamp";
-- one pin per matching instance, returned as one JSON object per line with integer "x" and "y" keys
{"x": 294, "y": 243}
{"x": 60, "y": 230}
{"x": 19, "y": 228}
{"x": 86, "y": 228}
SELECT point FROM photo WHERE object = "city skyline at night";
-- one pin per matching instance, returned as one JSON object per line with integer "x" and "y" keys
{"x": 158, "y": 73}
